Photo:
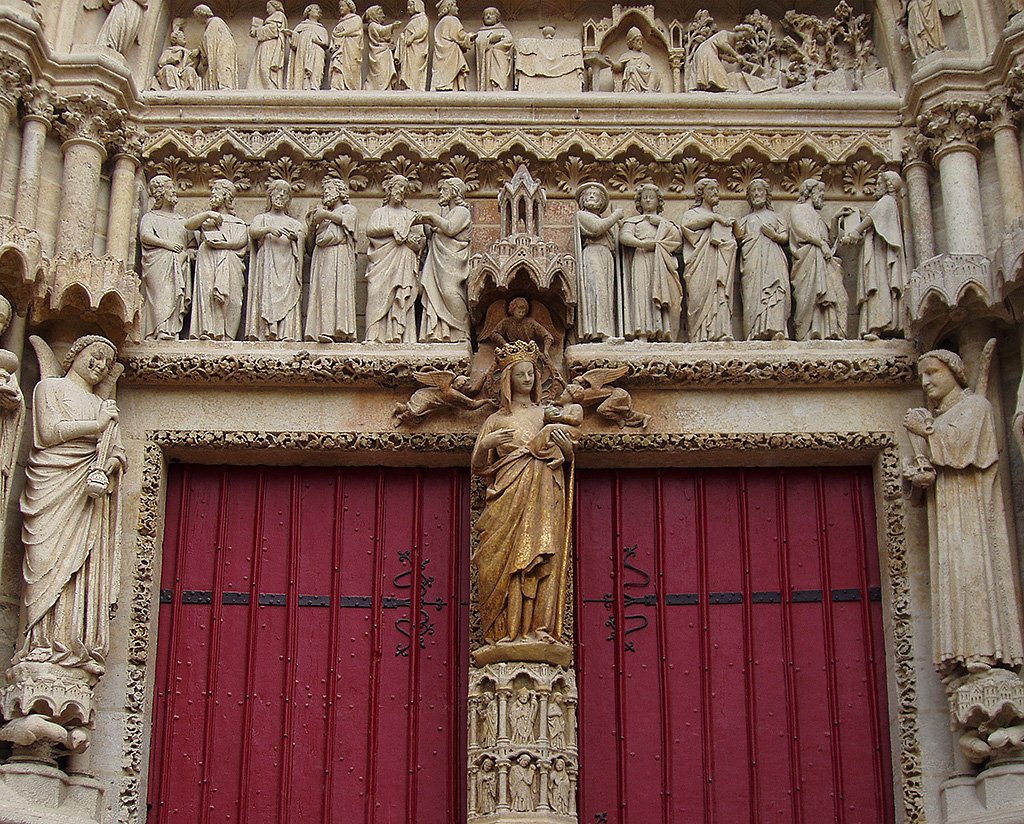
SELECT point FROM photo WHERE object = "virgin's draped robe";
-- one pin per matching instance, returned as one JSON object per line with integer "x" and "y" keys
{"x": 309, "y": 54}
{"x": 220, "y": 271}
{"x": 391, "y": 275}
{"x": 522, "y": 527}
{"x": 412, "y": 53}
{"x": 166, "y": 283}
{"x": 764, "y": 280}
{"x": 275, "y": 281}
{"x": 121, "y": 27}
{"x": 219, "y": 53}
{"x": 818, "y": 292}
{"x": 267, "y": 71}
{"x": 974, "y": 605}
{"x": 651, "y": 293}
{"x": 332, "y": 279}
{"x": 493, "y": 60}
{"x": 450, "y": 44}
{"x": 380, "y": 59}
{"x": 72, "y": 541}
{"x": 882, "y": 272}
{"x": 709, "y": 271}
{"x": 595, "y": 251}
{"x": 347, "y": 53}
{"x": 443, "y": 280}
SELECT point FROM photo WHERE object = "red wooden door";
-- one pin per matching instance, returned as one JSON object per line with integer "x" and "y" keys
{"x": 312, "y": 647}
{"x": 730, "y": 648}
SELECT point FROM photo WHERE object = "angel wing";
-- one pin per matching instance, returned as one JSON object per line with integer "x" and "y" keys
{"x": 439, "y": 378}
{"x": 987, "y": 352}
{"x": 496, "y": 313}
{"x": 597, "y": 378}
{"x": 49, "y": 365}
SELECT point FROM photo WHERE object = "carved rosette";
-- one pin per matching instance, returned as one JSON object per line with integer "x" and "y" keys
{"x": 523, "y": 755}
{"x": 987, "y": 709}
{"x": 81, "y": 286}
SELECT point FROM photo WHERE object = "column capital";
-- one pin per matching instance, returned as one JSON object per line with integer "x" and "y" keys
{"x": 14, "y": 77}
{"x": 955, "y": 125}
{"x": 127, "y": 140}
{"x": 39, "y": 103}
{"x": 917, "y": 148}
{"x": 1002, "y": 110}
{"x": 88, "y": 118}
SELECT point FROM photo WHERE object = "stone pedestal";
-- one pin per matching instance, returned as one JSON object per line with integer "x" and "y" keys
{"x": 43, "y": 794}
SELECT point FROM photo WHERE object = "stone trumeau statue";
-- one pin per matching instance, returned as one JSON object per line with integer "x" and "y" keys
{"x": 411, "y": 54}
{"x": 309, "y": 51}
{"x": 223, "y": 239}
{"x": 345, "y": 71}
{"x": 274, "y": 301}
{"x": 218, "y": 54}
{"x": 595, "y": 239}
{"x": 493, "y": 53}
{"x": 443, "y": 281}
{"x": 271, "y": 36}
{"x": 166, "y": 284}
{"x": 121, "y": 28}
{"x": 331, "y": 227}
{"x": 450, "y": 71}
{"x": 764, "y": 269}
{"x": 709, "y": 255}
{"x": 820, "y": 300}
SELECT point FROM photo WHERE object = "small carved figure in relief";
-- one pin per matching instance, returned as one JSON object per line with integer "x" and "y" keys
{"x": 549, "y": 64}
{"x": 391, "y": 273}
{"x": 176, "y": 68}
{"x": 976, "y": 615}
{"x": 331, "y": 314}
{"x": 708, "y": 70}
{"x": 820, "y": 300}
{"x": 595, "y": 238}
{"x": 347, "y": 49}
{"x": 521, "y": 557}
{"x": 613, "y": 403}
{"x": 451, "y": 42}
{"x": 493, "y": 53}
{"x": 271, "y": 36}
{"x": 166, "y": 284}
{"x": 652, "y": 296}
{"x": 487, "y": 788}
{"x": 922, "y": 24}
{"x": 522, "y": 717}
{"x": 709, "y": 265}
{"x": 635, "y": 66}
{"x": 882, "y": 264}
{"x": 559, "y": 787}
{"x": 487, "y": 712}
{"x": 443, "y": 280}
{"x": 218, "y": 60}
{"x": 556, "y": 722}
{"x": 442, "y": 389}
{"x": 121, "y": 28}
{"x": 380, "y": 53}
{"x": 309, "y": 51}
{"x": 411, "y": 54}
{"x": 764, "y": 269}
{"x": 521, "y": 777}
{"x": 71, "y": 507}
{"x": 12, "y": 413}
{"x": 274, "y": 307}
{"x": 517, "y": 325}
{"x": 220, "y": 271}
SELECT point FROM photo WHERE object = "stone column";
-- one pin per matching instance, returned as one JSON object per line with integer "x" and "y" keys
{"x": 37, "y": 102}
{"x": 957, "y": 126}
{"x": 1007, "y": 149}
{"x": 13, "y": 77}
{"x": 916, "y": 172}
{"x": 123, "y": 191}
{"x": 85, "y": 124}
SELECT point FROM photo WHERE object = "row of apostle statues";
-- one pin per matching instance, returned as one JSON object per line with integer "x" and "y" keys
{"x": 631, "y": 285}
{"x": 374, "y": 53}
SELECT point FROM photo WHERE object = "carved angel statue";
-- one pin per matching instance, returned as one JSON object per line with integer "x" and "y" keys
{"x": 521, "y": 321}
{"x": 71, "y": 507}
{"x": 592, "y": 389}
{"x": 441, "y": 389}
{"x": 121, "y": 27}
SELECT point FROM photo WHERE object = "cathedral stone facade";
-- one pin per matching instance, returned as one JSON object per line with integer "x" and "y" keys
{"x": 543, "y": 413}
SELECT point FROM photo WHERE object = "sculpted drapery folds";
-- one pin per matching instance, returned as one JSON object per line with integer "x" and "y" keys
{"x": 451, "y": 42}
{"x": 411, "y": 54}
{"x": 975, "y": 609}
{"x": 121, "y": 27}
{"x": 443, "y": 280}
{"x": 331, "y": 314}
{"x": 176, "y": 68}
{"x": 275, "y": 269}
{"x": 709, "y": 261}
{"x": 267, "y": 70}
{"x": 220, "y": 271}
{"x": 595, "y": 240}
{"x": 12, "y": 413}
{"x": 493, "y": 53}
{"x": 218, "y": 59}
{"x": 380, "y": 54}
{"x": 764, "y": 270}
{"x": 309, "y": 51}
{"x": 166, "y": 284}
{"x": 818, "y": 292}
{"x": 391, "y": 273}
{"x": 882, "y": 263}
{"x": 70, "y": 507}
{"x": 347, "y": 49}
{"x": 523, "y": 452}
{"x": 651, "y": 293}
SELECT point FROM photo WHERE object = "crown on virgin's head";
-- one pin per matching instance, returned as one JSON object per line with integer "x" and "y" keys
{"x": 516, "y": 351}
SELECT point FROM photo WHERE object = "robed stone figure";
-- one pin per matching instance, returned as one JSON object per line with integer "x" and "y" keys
{"x": 493, "y": 53}
{"x": 819, "y": 296}
{"x": 166, "y": 282}
{"x": 411, "y": 54}
{"x": 331, "y": 314}
{"x": 764, "y": 269}
{"x": 709, "y": 261}
{"x": 595, "y": 234}
{"x": 446, "y": 270}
